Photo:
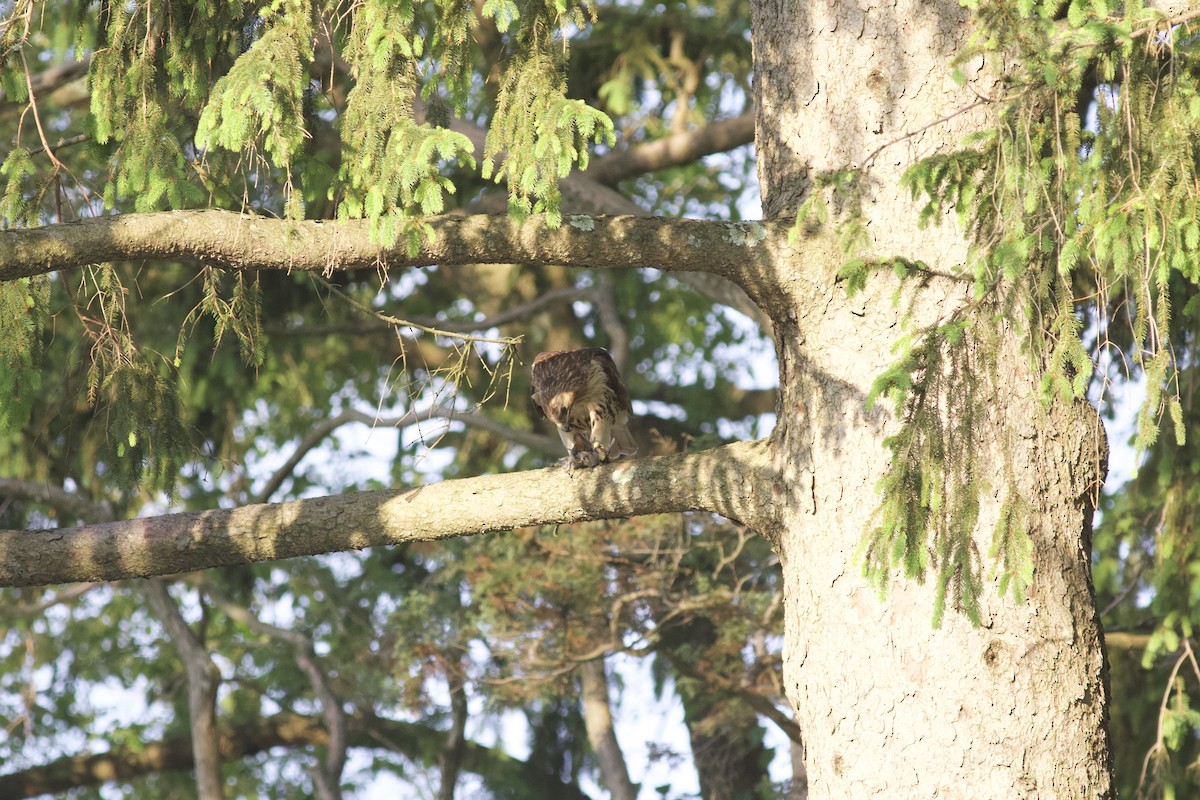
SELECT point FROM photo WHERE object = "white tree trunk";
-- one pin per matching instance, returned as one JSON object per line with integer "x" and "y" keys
{"x": 888, "y": 705}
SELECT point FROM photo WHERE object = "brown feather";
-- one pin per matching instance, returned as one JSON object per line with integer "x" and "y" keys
{"x": 581, "y": 392}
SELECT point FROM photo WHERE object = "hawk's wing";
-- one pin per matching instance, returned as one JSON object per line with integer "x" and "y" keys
{"x": 581, "y": 372}
{"x": 604, "y": 361}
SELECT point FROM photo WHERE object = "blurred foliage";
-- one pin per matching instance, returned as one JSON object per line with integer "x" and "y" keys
{"x": 135, "y": 389}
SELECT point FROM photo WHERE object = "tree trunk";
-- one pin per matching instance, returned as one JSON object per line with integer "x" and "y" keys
{"x": 889, "y": 705}
{"x": 203, "y": 679}
{"x": 597, "y": 716}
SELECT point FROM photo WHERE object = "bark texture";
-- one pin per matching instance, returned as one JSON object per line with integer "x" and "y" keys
{"x": 889, "y": 706}
{"x": 723, "y": 480}
{"x": 236, "y": 241}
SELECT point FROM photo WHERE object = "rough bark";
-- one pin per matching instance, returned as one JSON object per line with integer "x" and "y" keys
{"x": 724, "y": 480}
{"x": 597, "y": 716}
{"x": 236, "y": 241}
{"x": 890, "y": 707}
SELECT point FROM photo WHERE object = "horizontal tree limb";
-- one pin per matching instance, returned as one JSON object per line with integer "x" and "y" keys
{"x": 236, "y": 241}
{"x": 673, "y": 150}
{"x": 727, "y": 480}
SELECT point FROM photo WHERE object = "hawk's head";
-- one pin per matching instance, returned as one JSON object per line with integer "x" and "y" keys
{"x": 558, "y": 410}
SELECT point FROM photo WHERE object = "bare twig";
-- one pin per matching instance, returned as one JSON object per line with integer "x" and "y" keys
{"x": 323, "y": 429}
{"x": 404, "y": 323}
{"x": 869, "y": 160}
{"x": 755, "y": 700}
{"x": 513, "y": 314}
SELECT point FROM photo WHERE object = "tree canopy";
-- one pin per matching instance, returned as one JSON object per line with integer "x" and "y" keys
{"x": 271, "y": 273}
{"x": 189, "y": 386}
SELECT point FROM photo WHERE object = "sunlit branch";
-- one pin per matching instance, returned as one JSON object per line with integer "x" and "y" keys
{"x": 738, "y": 251}
{"x": 728, "y": 480}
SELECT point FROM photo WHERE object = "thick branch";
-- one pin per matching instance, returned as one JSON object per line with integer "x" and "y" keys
{"x": 728, "y": 480}
{"x": 234, "y": 241}
{"x": 674, "y": 150}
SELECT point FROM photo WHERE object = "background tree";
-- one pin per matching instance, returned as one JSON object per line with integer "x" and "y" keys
{"x": 125, "y": 395}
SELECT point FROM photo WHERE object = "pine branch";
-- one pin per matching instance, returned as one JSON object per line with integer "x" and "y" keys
{"x": 587, "y": 192}
{"x": 728, "y": 480}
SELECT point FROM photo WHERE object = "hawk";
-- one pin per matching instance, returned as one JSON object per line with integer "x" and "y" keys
{"x": 581, "y": 392}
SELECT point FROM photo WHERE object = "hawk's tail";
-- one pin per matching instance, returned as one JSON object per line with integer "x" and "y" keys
{"x": 623, "y": 443}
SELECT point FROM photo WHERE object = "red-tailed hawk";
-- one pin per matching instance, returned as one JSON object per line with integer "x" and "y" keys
{"x": 581, "y": 392}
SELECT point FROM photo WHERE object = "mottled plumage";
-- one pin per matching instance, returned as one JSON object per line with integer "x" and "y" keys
{"x": 581, "y": 392}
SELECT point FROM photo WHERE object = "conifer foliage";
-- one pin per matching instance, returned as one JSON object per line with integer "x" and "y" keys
{"x": 129, "y": 388}
{"x": 135, "y": 387}
{"x": 1085, "y": 237}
